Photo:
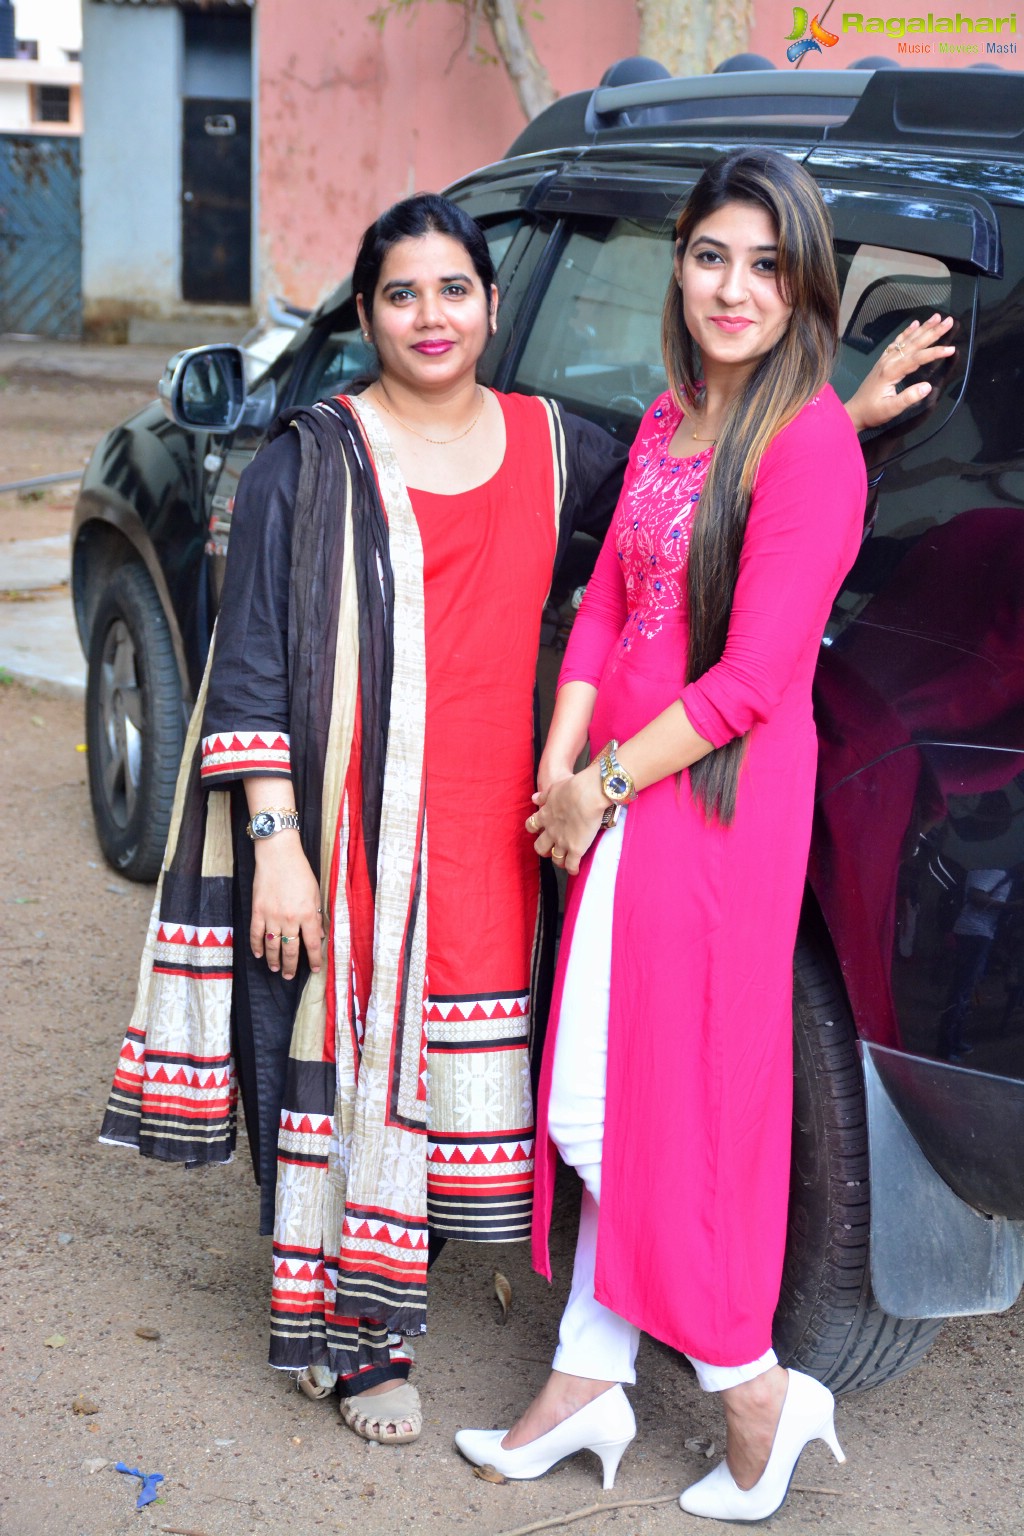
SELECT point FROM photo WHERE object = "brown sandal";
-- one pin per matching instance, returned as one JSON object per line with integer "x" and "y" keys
{"x": 314, "y": 1389}
{"x": 383, "y": 1415}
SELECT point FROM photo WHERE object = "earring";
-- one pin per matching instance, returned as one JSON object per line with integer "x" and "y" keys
{"x": 367, "y": 337}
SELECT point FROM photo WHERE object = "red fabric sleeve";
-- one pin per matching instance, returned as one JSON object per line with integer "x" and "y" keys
{"x": 803, "y": 533}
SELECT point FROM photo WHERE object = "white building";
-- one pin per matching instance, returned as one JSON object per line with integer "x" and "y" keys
{"x": 41, "y": 85}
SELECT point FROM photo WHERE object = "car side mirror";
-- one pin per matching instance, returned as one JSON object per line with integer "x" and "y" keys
{"x": 205, "y": 388}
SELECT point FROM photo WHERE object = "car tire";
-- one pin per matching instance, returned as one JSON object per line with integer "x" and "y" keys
{"x": 828, "y": 1322}
{"x": 134, "y": 724}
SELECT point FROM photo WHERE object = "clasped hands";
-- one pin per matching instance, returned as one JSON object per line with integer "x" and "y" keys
{"x": 567, "y": 819}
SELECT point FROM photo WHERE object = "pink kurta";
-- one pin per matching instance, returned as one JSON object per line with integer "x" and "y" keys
{"x": 695, "y": 1176}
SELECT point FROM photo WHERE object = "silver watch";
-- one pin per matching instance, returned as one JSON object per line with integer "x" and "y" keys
{"x": 266, "y": 823}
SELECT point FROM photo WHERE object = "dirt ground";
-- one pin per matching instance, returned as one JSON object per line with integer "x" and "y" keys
{"x": 96, "y": 1244}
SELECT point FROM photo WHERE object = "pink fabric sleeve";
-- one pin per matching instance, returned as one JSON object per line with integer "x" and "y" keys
{"x": 803, "y": 533}
{"x": 599, "y": 622}
{"x": 604, "y": 609}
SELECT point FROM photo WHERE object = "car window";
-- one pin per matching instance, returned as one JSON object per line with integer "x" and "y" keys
{"x": 596, "y": 341}
{"x": 341, "y": 355}
{"x": 882, "y": 291}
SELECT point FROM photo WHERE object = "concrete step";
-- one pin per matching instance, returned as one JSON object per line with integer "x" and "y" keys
{"x": 38, "y": 638}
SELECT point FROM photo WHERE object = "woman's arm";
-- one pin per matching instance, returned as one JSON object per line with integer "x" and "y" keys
{"x": 570, "y": 808}
{"x": 247, "y": 716}
{"x": 798, "y": 544}
{"x": 877, "y": 401}
{"x": 595, "y": 631}
{"x": 567, "y": 735}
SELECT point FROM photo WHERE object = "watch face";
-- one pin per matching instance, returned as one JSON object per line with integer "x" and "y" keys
{"x": 263, "y": 824}
{"x": 617, "y": 786}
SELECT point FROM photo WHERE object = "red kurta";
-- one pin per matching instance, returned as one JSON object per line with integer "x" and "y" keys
{"x": 697, "y": 1135}
{"x": 483, "y": 886}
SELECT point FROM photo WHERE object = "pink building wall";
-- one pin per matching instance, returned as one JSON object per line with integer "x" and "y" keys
{"x": 352, "y": 117}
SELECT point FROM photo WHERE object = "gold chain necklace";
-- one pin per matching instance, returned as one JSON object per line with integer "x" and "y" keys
{"x": 438, "y": 442}
{"x": 697, "y": 439}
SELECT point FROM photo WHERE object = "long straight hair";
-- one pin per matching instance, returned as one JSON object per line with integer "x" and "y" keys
{"x": 783, "y": 381}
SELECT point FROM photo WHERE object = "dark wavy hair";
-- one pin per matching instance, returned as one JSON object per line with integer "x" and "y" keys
{"x": 793, "y": 372}
{"x": 425, "y": 214}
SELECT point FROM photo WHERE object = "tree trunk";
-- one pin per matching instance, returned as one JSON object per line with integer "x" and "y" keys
{"x": 690, "y": 37}
{"x": 529, "y": 78}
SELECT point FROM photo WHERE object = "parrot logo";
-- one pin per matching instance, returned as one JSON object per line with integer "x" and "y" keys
{"x": 799, "y": 45}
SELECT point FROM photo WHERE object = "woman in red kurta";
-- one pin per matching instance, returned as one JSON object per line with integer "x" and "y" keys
{"x": 690, "y": 670}
{"x": 364, "y": 964}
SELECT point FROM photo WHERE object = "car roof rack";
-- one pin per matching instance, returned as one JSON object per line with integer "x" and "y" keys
{"x": 969, "y": 109}
{"x": 755, "y": 92}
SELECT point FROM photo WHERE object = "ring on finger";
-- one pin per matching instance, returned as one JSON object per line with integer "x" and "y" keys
{"x": 287, "y": 938}
{"x": 532, "y": 824}
{"x": 270, "y": 937}
{"x": 559, "y": 858}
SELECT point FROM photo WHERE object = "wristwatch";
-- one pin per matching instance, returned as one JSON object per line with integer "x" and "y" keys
{"x": 616, "y": 784}
{"x": 266, "y": 823}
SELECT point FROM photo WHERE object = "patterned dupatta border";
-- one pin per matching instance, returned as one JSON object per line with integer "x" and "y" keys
{"x": 350, "y": 1234}
{"x": 174, "y": 1093}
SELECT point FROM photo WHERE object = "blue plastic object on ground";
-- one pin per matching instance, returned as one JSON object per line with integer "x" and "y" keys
{"x": 149, "y": 1481}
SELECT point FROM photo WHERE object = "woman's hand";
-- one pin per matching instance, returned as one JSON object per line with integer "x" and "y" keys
{"x": 285, "y": 905}
{"x": 552, "y": 769}
{"x": 568, "y": 817}
{"x": 877, "y": 401}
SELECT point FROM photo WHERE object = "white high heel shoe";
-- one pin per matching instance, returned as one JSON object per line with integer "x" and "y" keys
{"x": 605, "y": 1426}
{"x": 807, "y": 1414}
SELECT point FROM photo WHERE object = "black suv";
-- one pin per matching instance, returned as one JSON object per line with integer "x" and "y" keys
{"x": 908, "y": 1175}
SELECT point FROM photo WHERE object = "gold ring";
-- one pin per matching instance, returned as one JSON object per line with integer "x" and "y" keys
{"x": 559, "y": 858}
{"x": 532, "y": 824}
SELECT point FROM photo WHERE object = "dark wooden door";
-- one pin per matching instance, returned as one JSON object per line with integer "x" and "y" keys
{"x": 216, "y": 221}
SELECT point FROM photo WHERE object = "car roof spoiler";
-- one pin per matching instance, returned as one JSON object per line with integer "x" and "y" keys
{"x": 967, "y": 109}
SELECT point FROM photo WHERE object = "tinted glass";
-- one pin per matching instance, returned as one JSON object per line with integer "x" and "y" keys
{"x": 596, "y": 341}
{"x": 882, "y": 291}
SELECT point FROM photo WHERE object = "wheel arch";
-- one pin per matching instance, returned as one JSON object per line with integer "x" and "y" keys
{"x": 107, "y": 535}
{"x": 829, "y": 1321}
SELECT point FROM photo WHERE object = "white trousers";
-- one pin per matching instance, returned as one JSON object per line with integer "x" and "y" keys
{"x": 593, "y": 1341}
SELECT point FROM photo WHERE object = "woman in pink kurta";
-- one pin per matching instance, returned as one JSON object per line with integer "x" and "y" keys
{"x": 667, "y": 1081}
{"x": 695, "y": 1187}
